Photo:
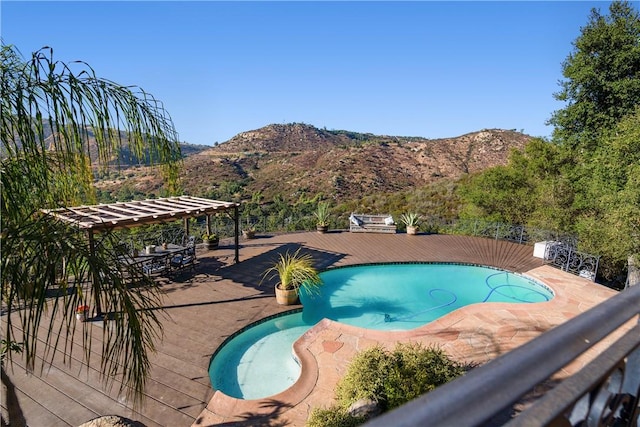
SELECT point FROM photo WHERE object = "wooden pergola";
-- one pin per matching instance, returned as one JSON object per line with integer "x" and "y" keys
{"x": 112, "y": 216}
{"x": 119, "y": 215}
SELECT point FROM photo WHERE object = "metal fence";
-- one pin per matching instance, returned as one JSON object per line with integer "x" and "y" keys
{"x": 562, "y": 252}
{"x": 567, "y": 258}
{"x": 561, "y": 249}
{"x": 501, "y": 231}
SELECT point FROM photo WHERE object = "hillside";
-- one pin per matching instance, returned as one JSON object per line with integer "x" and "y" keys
{"x": 296, "y": 159}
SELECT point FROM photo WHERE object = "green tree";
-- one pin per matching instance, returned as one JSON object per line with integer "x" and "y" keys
{"x": 584, "y": 181}
{"x": 498, "y": 194}
{"x": 611, "y": 224}
{"x": 602, "y": 77}
{"x": 602, "y": 93}
{"x": 531, "y": 189}
{"x": 59, "y": 122}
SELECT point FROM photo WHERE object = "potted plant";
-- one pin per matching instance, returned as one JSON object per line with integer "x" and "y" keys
{"x": 294, "y": 271}
{"x": 249, "y": 232}
{"x": 322, "y": 216}
{"x": 82, "y": 313}
{"x": 411, "y": 220}
{"x": 210, "y": 241}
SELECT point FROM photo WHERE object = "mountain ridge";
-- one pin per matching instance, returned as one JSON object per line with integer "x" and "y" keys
{"x": 297, "y": 158}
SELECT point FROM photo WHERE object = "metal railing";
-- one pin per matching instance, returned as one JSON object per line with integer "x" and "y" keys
{"x": 567, "y": 258}
{"x": 561, "y": 254}
{"x": 501, "y": 231}
{"x": 561, "y": 250}
{"x": 604, "y": 393}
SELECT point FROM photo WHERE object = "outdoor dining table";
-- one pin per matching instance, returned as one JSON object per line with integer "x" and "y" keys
{"x": 160, "y": 251}
{"x": 159, "y": 258}
{"x": 156, "y": 260}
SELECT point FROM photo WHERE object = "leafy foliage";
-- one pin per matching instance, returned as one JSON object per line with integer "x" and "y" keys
{"x": 410, "y": 219}
{"x": 602, "y": 77}
{"x": 611, "y": 225}
{"x": 532, "y": 190}
{"x": 322, "y": 214}
{"x": 395, "y": 377}
{"x": 390, "y": 378}
{"x": 333, "y": 417}
{"x": 57, "y": 127}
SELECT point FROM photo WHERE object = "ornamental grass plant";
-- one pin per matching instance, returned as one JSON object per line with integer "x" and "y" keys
{"x": 294, "y": 271}
{"x": 322, "y": 214}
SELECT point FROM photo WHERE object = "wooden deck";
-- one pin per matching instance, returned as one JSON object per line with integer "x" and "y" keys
{"x": 205, "y": 307}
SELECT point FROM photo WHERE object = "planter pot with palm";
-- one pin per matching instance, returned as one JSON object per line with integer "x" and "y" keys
{"x": 294, "y": 271}
{"x": 249, "y": 233}
{"x": 322, "y": 216}
{"x": 210, "y": 241}
{"x": 411, "y": 220}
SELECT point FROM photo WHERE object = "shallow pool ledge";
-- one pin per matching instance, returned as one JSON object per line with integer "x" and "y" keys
{"x": 230, "y": 407}
{"x": 227, "y": 408}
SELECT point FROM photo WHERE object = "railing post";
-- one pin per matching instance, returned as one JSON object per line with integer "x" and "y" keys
{"x": 569, "y": 255}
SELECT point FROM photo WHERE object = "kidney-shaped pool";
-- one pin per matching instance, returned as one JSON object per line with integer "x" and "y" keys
{"x": 257, "y": 361}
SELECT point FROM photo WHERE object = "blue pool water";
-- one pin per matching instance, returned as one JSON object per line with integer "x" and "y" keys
{"x": 258, "y": 362}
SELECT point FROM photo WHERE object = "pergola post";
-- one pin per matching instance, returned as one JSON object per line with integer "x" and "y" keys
{"x": 208, "y": 218}
{"x": 185, "y": 221}
{"x": 95, "y": 279}
{"x": 236, "y": 219}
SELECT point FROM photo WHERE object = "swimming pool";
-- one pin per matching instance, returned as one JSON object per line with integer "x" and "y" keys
{"x": 258, "y": 361}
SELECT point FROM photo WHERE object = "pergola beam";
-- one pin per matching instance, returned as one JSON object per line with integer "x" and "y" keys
{"x": 136, "y": 213}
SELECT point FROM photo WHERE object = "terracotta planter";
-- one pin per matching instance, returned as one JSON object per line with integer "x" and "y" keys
{"x": 322, "y": 228}
{"x": 412, "y": 230}
{"x": 249, "y": 234}
{"x": 286, "y": 296}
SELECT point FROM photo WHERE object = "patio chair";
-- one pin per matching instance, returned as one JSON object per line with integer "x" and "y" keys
{"x": 176, "y": 262}
{"x": 182, "y": 260}
{"x": 189, "y": 258}
{"x": 189, "y": 241}
{"x": 155, "y": 266}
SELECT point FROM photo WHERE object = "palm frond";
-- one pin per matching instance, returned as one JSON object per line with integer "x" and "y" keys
{"x": 59, "y": 123}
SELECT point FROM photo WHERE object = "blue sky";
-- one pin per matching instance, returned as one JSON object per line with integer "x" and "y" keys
{"x": 420, "y": 68}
